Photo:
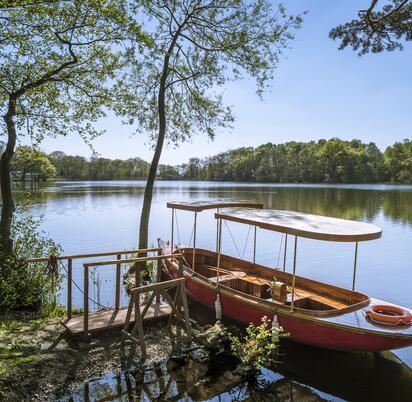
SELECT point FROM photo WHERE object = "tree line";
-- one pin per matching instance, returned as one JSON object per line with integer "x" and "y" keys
{"x": 323, "y": 161}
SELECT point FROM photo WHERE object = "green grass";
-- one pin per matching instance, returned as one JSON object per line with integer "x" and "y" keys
{"x": 18, "y": 341}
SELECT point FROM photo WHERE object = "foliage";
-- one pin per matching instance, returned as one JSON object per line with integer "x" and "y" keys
{"x": 323, "y": 161}
{"x": 57, "y": 66}
{"x": 24, "y": 286}
{"x": 29, "y": 160}
{"x": 333, "y": 161}
{"x": 79, "y": 168}
{"x": 398, "y": 161}
{"x": 377, "y": 31}
{"x": 198, "y": 47}
{"x": 56, "y": 59}
{"x": 259, "y": 347}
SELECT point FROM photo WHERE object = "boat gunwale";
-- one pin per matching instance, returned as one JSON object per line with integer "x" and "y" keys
{"x": 277, "y": 305}
{"x": 298, "y": 313}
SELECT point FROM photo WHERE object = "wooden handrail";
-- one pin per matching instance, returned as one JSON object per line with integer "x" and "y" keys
{"x": 129, "y": 260}
{"x": 161, "y": 285}
{"x": 92, "y": 255}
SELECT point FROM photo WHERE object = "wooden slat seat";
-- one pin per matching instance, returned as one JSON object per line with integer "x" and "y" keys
{"x": 300, "y": 293}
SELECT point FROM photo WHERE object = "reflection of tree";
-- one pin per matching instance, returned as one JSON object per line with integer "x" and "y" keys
{"x": 341, "y": 202}
{"x": 346, "y": 203}
{"x": 397, "y": 205}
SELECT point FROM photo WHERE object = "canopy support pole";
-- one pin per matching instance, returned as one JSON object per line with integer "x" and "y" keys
{"x": 173, "y": 230}
{"x": 217, "y": 231}
{"x": 294, "y": 274}
{"x": 219, "y": 250}
{"x": 194, "y": 243}
{"x": 284, "y": 254}
{"x": 254, "y": 246}
{"x": 355, "y": 263}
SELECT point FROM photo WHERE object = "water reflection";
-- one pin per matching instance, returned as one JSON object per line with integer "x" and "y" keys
{"x": 305, "y": 374}
{"x": 351, "y": 202}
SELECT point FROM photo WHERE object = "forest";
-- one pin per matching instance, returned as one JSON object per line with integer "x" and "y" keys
{"x": 323, "y": 161}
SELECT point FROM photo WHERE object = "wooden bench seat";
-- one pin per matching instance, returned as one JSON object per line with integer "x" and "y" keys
{"x": 300, "y": 293}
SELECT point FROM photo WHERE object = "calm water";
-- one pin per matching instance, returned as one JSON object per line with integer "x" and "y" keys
{"x": 103, "y": 216}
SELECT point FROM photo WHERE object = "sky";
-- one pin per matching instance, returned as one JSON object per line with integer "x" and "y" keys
{"x": 317, "y": 92}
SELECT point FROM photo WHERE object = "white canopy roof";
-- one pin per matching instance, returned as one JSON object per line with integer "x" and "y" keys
{"x": 305, "y": 225}
{"x": 198, "y": 206}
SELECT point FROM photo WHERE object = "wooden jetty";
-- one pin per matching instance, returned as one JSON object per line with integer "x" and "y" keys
{"x": 86, "y": 323}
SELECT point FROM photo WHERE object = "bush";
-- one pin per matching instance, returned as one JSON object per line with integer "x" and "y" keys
{"x": 259, "y": 347}
{"x": 26, "y": 286}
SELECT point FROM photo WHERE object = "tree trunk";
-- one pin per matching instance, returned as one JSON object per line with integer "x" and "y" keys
{"x": 6, "y": 242}
{"x": 148, "y": 192}
{"x": 161, "y": 109}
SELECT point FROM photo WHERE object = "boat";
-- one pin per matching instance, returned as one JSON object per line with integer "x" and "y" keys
{"x": 310, "y": 311}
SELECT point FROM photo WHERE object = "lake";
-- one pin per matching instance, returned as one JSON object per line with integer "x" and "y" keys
{"x": 103, "y": 216}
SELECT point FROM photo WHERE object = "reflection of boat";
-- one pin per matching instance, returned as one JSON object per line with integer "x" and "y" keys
{"x": 351, "y": 376}
{"x": 312, "y": 312}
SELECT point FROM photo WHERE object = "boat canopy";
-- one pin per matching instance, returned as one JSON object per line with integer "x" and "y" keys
{"x": 198, "y": 206}
{"x": 305, "y": 225}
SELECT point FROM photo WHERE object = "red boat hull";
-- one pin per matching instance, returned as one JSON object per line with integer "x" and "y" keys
{"x": 309, "y": 331}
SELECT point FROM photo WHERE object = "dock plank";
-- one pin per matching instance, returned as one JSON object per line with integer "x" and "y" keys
{"x": 102, "y": 320}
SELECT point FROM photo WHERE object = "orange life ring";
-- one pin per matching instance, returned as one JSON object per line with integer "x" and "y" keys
{"x": 388, "y": 315}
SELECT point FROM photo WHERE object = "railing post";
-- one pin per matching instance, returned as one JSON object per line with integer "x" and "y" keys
{"x": 159, "y": 275}
{"x": 284, "y": 255}
{"x": 69, "y": 287}
{"x": 86, "y": 301}
{"x": 118, "y": 271}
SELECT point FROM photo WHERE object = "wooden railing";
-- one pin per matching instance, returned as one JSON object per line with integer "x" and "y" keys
{"x": 116, "y": 262}
{"x": 87, "y": 265}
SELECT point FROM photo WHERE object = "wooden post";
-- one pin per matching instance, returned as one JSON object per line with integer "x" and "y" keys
{"x": 173, "y": 231}
{"x": 284, "y": 254}
{"x": 219, "y": 250}
{"x": 86, "y": 301}
{"x": 355, "y": 266}
{"x": 69, "y": 287}
{"x": 158, "y": 275}
{"x": 217, "y": 231}
{"x": 180, "y": 268}
{"x": 254, "y": 247}
{"x": 194, "y": 243}
{"x": 294, "y": 273}
{"x": 118, "y": 272}
{"x": 139, "y": 325}
{"x": 182, "y": 290}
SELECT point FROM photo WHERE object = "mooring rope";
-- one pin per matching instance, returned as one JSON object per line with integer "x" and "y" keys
{"x": 246, "y": 242}
{"x": 233, "y": 240}
{"x": 81, "y": 290}
{"x": 178, "y": 232}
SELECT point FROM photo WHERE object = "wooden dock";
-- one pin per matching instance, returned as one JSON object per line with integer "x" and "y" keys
{"x": 107, "y": 319}
{"x": 89, "y": 322}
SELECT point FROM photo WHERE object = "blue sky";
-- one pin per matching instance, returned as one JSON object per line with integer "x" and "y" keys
{"x": 317, "y": 92}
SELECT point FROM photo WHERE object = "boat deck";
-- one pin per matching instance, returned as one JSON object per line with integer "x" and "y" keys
{"x": 357, "y": 320}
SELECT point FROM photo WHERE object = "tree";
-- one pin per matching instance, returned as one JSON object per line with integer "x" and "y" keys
{"x": 28, "y": 160}
{"x": 398, "y": 161}
{"x": 375, "y": 31}
{"x": 55, "y": 61}
{"x": 199, "y": 46}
